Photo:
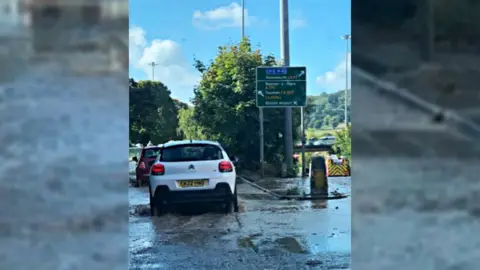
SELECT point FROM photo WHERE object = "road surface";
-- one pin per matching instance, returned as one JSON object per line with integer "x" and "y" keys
{"x": 265, "y": 234}
{"x": 63, "y": 182}
{"x": 416, "y": 193}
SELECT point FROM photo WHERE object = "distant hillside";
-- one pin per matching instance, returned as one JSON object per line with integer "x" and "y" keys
{"x": 326, "y": 111}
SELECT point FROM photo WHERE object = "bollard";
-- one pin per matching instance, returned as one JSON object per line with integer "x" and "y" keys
{"x": 318, "y": 176}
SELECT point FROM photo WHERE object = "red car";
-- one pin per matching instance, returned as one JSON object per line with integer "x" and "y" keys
{"x": 147, "y": 158}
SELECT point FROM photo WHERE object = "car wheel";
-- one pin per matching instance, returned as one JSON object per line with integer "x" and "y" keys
{"x": 235, "y": 201}
{"x": 232, "y": 203}
{"x": 158, "y": 208}
{"x": 229, "y": 207}
{"x": 152, "y": 202}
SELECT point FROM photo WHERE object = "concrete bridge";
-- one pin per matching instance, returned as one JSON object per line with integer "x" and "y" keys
{"x": 313, "y": 148}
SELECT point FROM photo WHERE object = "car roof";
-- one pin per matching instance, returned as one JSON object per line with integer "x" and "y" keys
{"x": 152, "y": 147}
{"x": 185, "y": 142}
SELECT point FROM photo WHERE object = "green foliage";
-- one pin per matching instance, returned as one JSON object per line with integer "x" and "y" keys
{"x": 188, "y": 126}
{"x": 457, "y": 20}
{"x": 179, "y": 105}
{"x": 343, "y": 142}
{"x": 224, "y": 105}
{"x": 326, "y": 111}
{"x": 153, "y": 113}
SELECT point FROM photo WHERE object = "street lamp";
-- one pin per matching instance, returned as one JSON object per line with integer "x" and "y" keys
{"x": 153, "y": 64}
{"x": 346, "y": 37}
{"x": 243, "y": 19}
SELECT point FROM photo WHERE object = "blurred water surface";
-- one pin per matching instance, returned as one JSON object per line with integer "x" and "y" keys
{"x": 63, "y": 122}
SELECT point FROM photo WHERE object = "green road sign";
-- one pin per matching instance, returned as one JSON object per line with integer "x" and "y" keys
{"x": 281, "y": 86}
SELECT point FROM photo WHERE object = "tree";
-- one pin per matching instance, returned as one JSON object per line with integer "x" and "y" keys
{"x": 326, "y": 111}
{"x": 225, "y": 106}
{"x": 153, "y": 114}
{"x": 188, "y": 126}
{"x": 343, "y": 142}
{"x": 132, "y": 82}
{"x": 456, "y": 21}
{"x": 179, "y": 105}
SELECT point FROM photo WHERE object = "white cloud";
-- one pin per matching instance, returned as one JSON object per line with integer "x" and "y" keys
{"x": 298, "y": 23}
{"x": 136, "y": 43}
{"x": 172, "y": 68}
{"x": 297, "y": 20}
{"x": 222, "y": 17}
{"x": 334, "y": 80}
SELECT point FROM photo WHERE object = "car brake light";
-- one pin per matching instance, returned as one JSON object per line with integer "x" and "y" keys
{"x": 141, "y": 165}
{"x": 225, "y": 166}
{"x": 158, "y": 169}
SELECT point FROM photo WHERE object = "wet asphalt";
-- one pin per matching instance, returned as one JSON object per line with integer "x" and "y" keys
{"x": 265, "y": 234}
{"x": 416, "y": 192}
{"x": 66, "y": 211}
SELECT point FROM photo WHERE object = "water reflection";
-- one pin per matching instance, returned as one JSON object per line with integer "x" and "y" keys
{"x": 320, "y": 204}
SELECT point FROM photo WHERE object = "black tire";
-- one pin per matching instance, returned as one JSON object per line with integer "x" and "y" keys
{"x": 152, "y": 202}
{"x": 158, "y": 208}
{"x": 235, "y": 201}
{"x": 232, "y": 203}
{"x": 229, "y": 207}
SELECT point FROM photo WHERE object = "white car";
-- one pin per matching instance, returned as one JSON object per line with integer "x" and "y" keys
{"x": 327, "y": 140}
{"x": 192, "y": 172}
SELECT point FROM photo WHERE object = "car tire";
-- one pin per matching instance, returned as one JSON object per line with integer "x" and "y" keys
{"x": 157, "y": 209}
{"x": 232, "y": 203}
{"x": 235, "y": 201}
{"x": 151, "y": 201}
{"x": 229, "y": 207}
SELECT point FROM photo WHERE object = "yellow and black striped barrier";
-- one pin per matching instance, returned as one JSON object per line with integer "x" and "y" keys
{"x": 337, "y": 167}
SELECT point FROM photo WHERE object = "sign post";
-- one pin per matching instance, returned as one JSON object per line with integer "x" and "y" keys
{"x": 280, "y": 87}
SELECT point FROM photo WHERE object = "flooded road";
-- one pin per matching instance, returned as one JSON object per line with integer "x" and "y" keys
{"x": 265, "y": 234}
{"x": 417, "y": 204}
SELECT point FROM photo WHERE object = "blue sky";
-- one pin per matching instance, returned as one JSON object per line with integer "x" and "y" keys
{"x": 172, "y": 33}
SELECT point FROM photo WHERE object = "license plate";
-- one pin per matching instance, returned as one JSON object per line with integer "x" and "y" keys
{"x": 192, "y": 183}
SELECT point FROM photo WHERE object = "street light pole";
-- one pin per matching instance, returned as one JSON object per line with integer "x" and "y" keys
{"x": 285, "y": 55}
{"x": 302, "y": 126}
{"x": 243, "y": 19}
{"x": 346, "y": 37}
{"x": 153, "y": 64}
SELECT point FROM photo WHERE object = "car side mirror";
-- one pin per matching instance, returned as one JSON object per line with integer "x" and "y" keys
{"x": 135, "y": 159}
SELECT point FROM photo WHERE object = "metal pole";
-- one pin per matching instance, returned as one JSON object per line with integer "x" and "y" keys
{"x": 346, "y": 83}
{"x": 243, "y": 19}
{"x": 262, "y": 157}
{"x": 302, "y": 111}
{"x": 153, "y": 70}
{"x": 285, "y": 55}
{"x": 346, "y": 38}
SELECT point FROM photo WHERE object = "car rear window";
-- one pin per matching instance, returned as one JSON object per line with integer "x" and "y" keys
{"x": 151, "y": 152}
{"x": 191, "y": 152}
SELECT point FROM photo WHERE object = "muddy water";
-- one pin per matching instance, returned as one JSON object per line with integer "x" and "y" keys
{"x": 62, "y": 175}
{"x": 265, "y": 234}
{"x": 412, "y": 210}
